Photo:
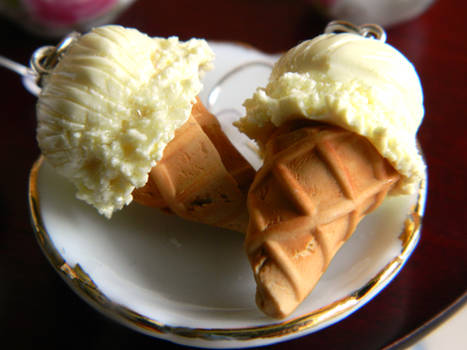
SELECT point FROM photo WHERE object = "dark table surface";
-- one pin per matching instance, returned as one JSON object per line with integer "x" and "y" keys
{"x": 38, "y": 309}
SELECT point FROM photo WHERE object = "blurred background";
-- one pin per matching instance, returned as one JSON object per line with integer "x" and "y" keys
{"x": 38, "y": 309}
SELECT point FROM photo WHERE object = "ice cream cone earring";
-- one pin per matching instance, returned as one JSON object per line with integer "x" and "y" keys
{"x": 118, "y": 116}
{"x": 337, "y": 124}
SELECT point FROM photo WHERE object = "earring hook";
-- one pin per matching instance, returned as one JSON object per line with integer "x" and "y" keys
{"x": 42, "y": 62}
{"x": 372, "y": 31}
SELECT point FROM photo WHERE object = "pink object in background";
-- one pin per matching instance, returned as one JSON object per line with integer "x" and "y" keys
{"x": 68, "y": 11}
{"x": 57, "y": 18}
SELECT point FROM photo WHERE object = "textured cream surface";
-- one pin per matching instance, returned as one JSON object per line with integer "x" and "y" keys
{"x": 112, "y": 104}
{"x": 363, "y": 85}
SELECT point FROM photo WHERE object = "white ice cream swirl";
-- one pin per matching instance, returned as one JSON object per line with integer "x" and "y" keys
{"x": 357, "y": 83}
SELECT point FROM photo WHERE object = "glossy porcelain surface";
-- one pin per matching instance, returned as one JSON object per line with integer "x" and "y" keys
{"x": 191, "y": 283}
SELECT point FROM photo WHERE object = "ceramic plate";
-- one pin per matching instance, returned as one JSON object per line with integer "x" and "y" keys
{"x": 190, "y": 283}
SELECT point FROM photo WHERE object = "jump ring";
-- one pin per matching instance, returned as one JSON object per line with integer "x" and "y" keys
{"x": 39, "y": 59}
{"x": 373, "y": 31}
{"x": 45, "y": 58}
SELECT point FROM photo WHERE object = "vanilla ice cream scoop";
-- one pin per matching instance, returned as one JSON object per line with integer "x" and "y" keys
{"x": 360, "y": 84}
{"x": 112, "y": 104}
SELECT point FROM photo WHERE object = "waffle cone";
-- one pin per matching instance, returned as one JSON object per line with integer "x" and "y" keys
{"x": 316, "y": 184}
{"x": 201, "y": 176}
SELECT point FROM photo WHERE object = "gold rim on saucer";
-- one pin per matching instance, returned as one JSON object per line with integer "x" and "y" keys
{"x": 80, "y": 281}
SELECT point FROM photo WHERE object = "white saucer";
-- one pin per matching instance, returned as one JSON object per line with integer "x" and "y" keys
{"x": 191, "y": 283}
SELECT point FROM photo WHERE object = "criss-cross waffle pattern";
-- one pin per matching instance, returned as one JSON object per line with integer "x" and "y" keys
{"x": 316, "y": 184}
{"x": 201, "y": 176}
